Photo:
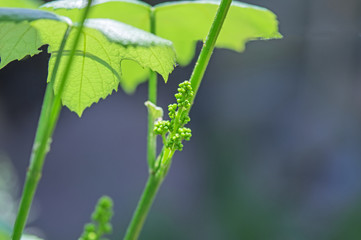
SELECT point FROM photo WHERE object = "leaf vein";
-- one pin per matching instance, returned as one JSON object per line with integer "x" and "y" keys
{"x": 106, "y": 53}
{"x": 17, "y": 42}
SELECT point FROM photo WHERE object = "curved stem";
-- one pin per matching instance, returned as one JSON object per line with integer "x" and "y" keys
{"x": 152, "y": 97}
{"x": 48, "y": 118}
{"x": 165, "y": 157}
{"x": 208, "y": 46}
{"x": 40, "y": 147}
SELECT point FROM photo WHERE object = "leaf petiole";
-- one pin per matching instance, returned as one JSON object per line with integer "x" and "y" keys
{"x": 152, "y": 97}
{"x": 49, "y": 112}
{"x": 48, "y": 118}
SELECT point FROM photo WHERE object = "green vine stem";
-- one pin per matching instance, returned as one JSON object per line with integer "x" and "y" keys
{"x": 40, "y": 148}
{"x": 157, "y": 176}
{"x": 152, "y": 138}
{"x": 152, "y": 97}
{"x": 207, "y": 50}
{"x": 48, "y": 118}
{"x": 144, "y": 205}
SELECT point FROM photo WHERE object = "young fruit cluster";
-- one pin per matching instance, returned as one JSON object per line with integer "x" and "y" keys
{"x": 175, "y": 141}
{"x": 178, "y": 113}
{"x": 101, "y": 221}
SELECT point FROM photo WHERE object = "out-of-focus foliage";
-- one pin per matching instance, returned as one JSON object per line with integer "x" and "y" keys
{"x": 8, "y": 203}
{"x": 348, "y": 226}
{"x": 20, "y": 3}
{"x": 8, "y": 192}
{"x": 101, "y": 218}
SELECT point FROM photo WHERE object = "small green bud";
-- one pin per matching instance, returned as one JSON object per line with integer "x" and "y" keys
{"x": 185, "y": 133}
{"x": 89, "y": 227}
{"x": 106, "y": 202}
{"x": 172, "y": 109}
{"x": 185, "y": 120}
{"x": 101, "y": 220}
{"x": 161, "y": 127}
{"x": 179, "y": 146}
{"x": 108, "y": 228}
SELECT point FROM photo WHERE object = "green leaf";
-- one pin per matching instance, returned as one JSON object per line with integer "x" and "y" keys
{"x": 18, "y": 36}
{"x": 132, "y": 12}
{"x": 20, "y": 3}
{"x": 183, "y": 22}
{"x": 133, "y": 75}
{"x": 96, "y": 69}
{"x": 186, "y": 22}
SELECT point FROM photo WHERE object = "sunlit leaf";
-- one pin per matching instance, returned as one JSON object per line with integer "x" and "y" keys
{"x": 182, "y": 22}
{"x": 186, "y": 22}
{"x": 18, "y": 36}
{"x": 133, "y": 75}
{"x": 132, "y": 12}
{"x": 96, "y": 69}
{"x": 135, "y": 13}
{"x": 20, "y": 3}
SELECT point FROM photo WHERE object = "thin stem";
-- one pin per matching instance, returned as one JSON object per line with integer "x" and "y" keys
{"x": 152, "y": 97}
{"x": 152, "y": 138}
{"x": 208, "y": 46}
{"x": 48, "y": 118}
{"x": 143, "y": 207}
{"x": 40, "y": 147}
{"x": 165, "y": 157}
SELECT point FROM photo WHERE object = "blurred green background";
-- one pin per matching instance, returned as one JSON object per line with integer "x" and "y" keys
{"x": 275, "y": 152}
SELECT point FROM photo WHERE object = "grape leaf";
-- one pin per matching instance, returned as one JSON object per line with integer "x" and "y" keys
{"x": 183, "y": 22}
{"x": 135, "y": 13}
{"x": 96, "y": 69}
{"x": 133, "y": 75}
{"x": 186, "y": 22}
{"x": 18, "y": 36}
{"x": 20, "y": 3}
{"x": 132, "y": 12}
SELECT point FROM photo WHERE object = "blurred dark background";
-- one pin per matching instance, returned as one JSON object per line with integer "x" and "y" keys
{"x": 275, "y": 152}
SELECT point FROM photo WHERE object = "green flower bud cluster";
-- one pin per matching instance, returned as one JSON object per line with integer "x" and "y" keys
{"x": 101, "y": 221}
{"x": 178, "y": 113}
{"x": 184, "y": 95}
{"x": 162, "y": 127}
{"x": 172, "y": 108}
{"x": 176, "y": 140}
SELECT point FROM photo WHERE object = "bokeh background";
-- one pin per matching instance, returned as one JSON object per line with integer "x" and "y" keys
{"x": 275, "y": 152}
